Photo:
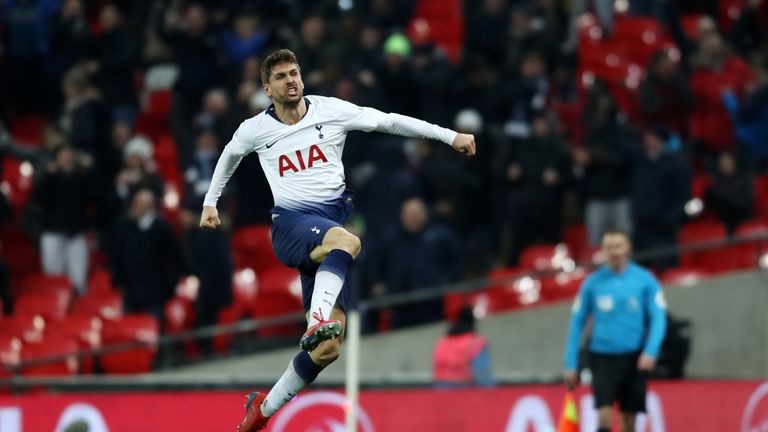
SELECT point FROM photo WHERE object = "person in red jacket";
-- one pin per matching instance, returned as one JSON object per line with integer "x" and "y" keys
{"x": 716, "y": 71}
{"x": 461, "y": 357}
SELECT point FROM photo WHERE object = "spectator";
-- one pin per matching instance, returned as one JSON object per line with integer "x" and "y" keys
{"x": 198, "y": 175}
{"x": 418, "y": 256}
{"x": 247, "y": 37}
{"x": 462, "y": 357}
{"x": 194, "y": 52}
{"x": 145, "y": 258}
{"x": 750, "y": 116}
{"x": 533, "y": 176}
{"x": 63, "y": 196}
{"x": 137, "y": 172}
{"x": 751, "y": 29}
{"x": 216, "y": 117}
{"x": 316, "y": 51}
{"x": 603, "y": 165}
{"x": 114, "y": 57}
{"x": 661, "y": 186}
{"x": 80, "y": 117}
{"x": 717, "y": 70}
{"x": 396, "y": 76}
{"x": 731, "y": 194}
{"x": 665, "y": 94}
{"x": 69, "y": 38}
{"x": 485, "y": 31}
{"x": 604, "y": 12}
{"x": 209, "y": 255}
{"x": 529, "y": 95}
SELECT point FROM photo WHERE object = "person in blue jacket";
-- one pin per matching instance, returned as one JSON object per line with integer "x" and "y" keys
{"x": 628, "y": 312}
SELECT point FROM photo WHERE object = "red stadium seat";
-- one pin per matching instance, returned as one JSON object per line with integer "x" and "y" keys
{"x": 545, "y": 257}
{"x": 28, "y": 328}
{"x": 107, "y": 306}
{"x": 575, "y": 237}
{"x": 180, "y": 317}
{"x": 747, "y": 255}
{"x": 100, "y": 282}
{"x": 279, "y": 294}
{"x": 130, "y": 328}
{"x": 698, "y": 232}
{"x": 10, "y": 354}
{"x": 228, "y": 315}
{"x": 85, "y": 330}
{"x": 683, "y": 276}
{"x": 245, "y": 289}
{"x": 562, "y": 286}
{"x": 50, "y": 347}
{"x": 19, "y": 253}
{"x": 37, "y": 283}
{"x": 252, "y": 248}
{"x": 53, "y": 305}
{"x": 509, "y": 289}
{"x": 761, "y": 196}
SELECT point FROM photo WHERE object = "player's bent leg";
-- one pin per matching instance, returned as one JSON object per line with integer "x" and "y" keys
{"x": 336, "y": 253}
{"x": 628, "y": 421}
{"x": 604, "y": 418}
{"x": 328, "y": 351}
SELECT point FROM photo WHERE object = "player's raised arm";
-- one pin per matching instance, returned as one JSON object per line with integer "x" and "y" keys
{"x": 227, "y": 164}
{"x": 370, "y": 119}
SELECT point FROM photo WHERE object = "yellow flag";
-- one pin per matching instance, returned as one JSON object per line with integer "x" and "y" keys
{"x": 569, "y": 419}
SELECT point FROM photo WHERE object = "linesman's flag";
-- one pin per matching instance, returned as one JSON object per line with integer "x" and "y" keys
{"x": 569, "y": 419}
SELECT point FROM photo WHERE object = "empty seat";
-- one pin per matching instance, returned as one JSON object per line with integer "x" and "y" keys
{"x": 105, "y": 305}
{"x": 245, "y": 289}
{"x": 10, "y": 354}
{"x": 85, "y": 330}
{"x": 701, "y": 232}
{"x": 100, "y": 282}
{"x": 53, "y": 305}
{"x": 179, "y": 318}
{"x": 252, "y": 247}
{"x": 135, "y": 328}
{"x": 43, "y": 282}
{"x": 49, "y": 348}
{"x": 562, "y": 286}
{"x": 747, "y": 255}
{"x": 279, "y": 294}
{"x": 546, "y": 257}
{"x": 683, "y": 276}
{"x": 28, "y": 328}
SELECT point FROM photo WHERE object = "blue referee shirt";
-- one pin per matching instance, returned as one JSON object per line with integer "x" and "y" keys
{"x": 628, "y": 311}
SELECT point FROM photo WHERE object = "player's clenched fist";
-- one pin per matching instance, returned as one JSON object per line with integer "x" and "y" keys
{"x": 464, "y": 143}
{"x": 210, "y": 218}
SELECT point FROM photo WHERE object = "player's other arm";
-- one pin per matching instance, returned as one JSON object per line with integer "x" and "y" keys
{"x": 227, "y": 164}
{"x": 656, "y": 310}
{"x": 370, "y": 119}
{"x": 579, "y": 313}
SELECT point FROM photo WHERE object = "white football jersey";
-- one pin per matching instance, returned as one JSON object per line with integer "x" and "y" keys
{"x": 302, "y": 162}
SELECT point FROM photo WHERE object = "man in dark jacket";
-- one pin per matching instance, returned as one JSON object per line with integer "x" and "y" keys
{"x": 62, "y": 197}
{"x": 418, "y": 256}
{"x": 661, "y": 186}
{"x": 145, "y": 257}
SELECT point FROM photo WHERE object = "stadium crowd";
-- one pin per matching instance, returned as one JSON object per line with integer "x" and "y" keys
{"x": 427, "y": 218}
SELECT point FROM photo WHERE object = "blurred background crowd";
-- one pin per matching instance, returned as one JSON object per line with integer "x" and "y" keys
{"x": 640, "y": 116}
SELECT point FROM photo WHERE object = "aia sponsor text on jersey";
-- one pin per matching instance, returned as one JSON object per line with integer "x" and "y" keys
{"x": 313, "y": 156}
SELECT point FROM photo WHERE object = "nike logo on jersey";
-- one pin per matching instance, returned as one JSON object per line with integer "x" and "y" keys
{"x": 270, "y": 145}
{"x": 319, "y": 131}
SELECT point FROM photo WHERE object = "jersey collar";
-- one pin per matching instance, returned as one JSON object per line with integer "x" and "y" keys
{"x": 271, "y": 111}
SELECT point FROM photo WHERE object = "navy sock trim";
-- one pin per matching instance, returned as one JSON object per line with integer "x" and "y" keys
{"x": 337, "y": 262}
{"x": 305, "y": 367}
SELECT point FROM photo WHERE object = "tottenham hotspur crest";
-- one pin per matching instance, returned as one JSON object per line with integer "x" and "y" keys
{"x": 319, "y": 131}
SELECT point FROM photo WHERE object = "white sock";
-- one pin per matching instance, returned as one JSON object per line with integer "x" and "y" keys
{"x": 327, "y": 288}
{"x": 288, "y": 386}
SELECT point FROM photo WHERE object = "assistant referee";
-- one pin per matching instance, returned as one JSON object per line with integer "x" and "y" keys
{"x": 628, "y": 313}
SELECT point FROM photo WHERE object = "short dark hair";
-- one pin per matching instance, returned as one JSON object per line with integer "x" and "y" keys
{"x": 617, "y": 231}
{"x": 278, "y": 57}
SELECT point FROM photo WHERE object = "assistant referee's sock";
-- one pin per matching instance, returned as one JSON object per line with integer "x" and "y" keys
{"x": 301, "y": 371}
{"x": 328, "y": 283}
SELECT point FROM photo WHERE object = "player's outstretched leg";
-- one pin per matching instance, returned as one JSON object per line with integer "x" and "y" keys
{"x": 335, "y": 255}
{"x": 302, "y": 370}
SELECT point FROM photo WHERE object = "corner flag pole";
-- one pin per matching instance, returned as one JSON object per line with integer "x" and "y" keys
{"x": 353, "y": 361}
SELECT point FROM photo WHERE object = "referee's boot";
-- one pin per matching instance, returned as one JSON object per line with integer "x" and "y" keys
{"x": 254, "y": 420}
{"x": 322, "y": 331}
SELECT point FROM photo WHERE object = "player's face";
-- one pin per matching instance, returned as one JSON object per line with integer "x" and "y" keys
{"x": 616, "y": 248}
{"x": 285, "y": 85}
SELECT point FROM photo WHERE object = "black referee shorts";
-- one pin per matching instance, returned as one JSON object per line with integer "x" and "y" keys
{"x": 615, "y": 378}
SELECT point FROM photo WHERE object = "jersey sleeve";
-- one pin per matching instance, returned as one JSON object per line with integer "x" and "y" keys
{"x": 581, "y": 309}
{"x": 656, "y": 310}
{"x": 366, "y": 119}
{"x": 240, "y": 145}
